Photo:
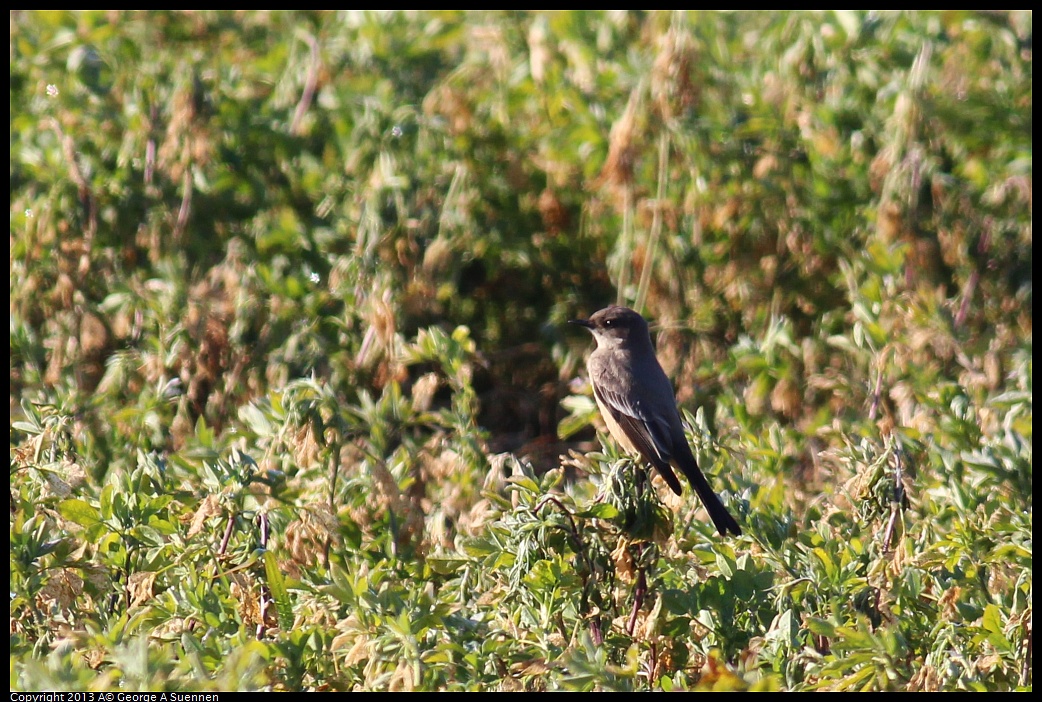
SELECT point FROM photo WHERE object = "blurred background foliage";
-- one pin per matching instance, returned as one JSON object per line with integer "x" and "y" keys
{"x": 294, "y": 404}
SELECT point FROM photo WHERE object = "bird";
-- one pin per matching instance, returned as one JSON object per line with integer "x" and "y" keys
{"x": 638, "y": 405}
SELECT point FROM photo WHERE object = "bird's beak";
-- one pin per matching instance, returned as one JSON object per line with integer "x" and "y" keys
{"x": 582, "y": 323}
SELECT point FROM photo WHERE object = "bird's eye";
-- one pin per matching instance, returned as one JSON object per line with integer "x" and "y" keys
{"x": 609, "y": 322}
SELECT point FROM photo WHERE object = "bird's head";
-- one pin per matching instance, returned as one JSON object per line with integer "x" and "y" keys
{"x": 615, "y": 325}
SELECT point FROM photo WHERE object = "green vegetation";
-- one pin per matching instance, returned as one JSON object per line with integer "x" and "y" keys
{"x": 294, "y": 405}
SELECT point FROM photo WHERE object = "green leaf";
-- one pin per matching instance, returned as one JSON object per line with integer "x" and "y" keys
{"x": 600, "y": 510}
{"x": 279, "y": 593}
{"x": 821, "y": 627}
{"x": 79, "y": 512}
{"x": 444, "y": 565}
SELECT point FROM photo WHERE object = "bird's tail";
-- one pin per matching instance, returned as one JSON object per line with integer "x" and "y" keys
{"x": 723, "y": 520}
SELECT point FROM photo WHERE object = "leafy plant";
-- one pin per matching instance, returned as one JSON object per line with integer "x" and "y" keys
{"x": 294, "y": 406}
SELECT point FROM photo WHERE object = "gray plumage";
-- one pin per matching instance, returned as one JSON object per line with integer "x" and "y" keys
{"x": 637, "y": 402}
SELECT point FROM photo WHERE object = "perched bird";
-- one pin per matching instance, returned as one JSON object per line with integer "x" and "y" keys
{"x": 637, "y": 403}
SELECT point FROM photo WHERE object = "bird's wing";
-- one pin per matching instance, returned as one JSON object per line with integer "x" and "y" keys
{"x": 648, "y": 433}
